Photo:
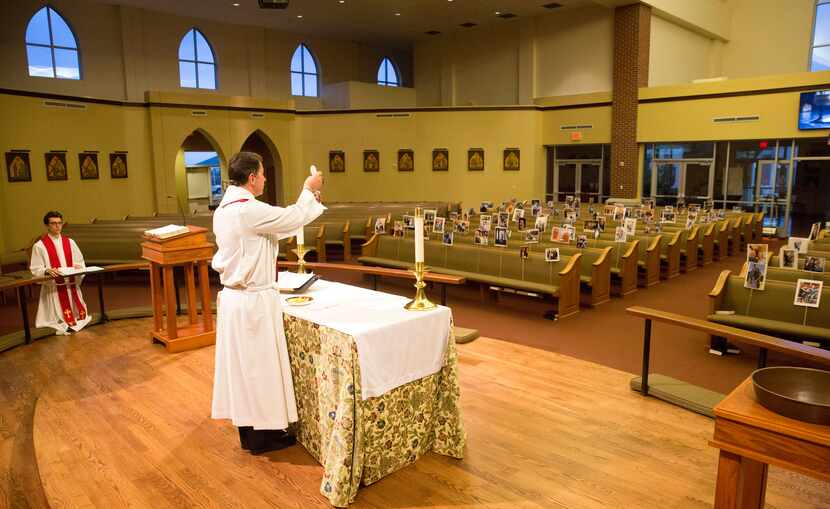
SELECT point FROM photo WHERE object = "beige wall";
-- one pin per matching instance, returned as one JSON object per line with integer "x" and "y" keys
{"x": 99, "y": 127}
{"x": 768, "y": 37}
{"x": 574, "y": 52}
{"x": 455, "y": 130}
{"x": 677, "y": 54}
{"x": 126, "y": 51}
{"x": 679, "y": 119}
{"x": 356, "y": 94}
{"x": 566, "y": 52}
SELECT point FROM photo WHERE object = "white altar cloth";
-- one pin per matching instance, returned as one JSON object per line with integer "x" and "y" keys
{"x": 394, "y": 346}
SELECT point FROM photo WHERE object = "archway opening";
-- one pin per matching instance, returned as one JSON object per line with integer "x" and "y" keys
{"x": 199, "y": 169}
{"x": 259, "y": 143}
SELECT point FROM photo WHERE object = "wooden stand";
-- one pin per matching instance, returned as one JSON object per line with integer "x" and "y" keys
{"x": 750, "y": 438}
{"x": 192, "y": 251}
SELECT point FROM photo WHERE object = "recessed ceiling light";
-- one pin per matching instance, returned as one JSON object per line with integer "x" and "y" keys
{"x": 397, "y": 14}
{"x": 236, "y": 4}
{"x": 498, "y": 12}
{"x": 299, "y": 16}
{"x": 342, "y": 2}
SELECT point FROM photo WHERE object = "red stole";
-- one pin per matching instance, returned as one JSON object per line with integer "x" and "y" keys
{"x": 63, "y": 294}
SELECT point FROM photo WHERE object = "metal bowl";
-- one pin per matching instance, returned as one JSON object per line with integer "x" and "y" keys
{"x": 797, "y": 393}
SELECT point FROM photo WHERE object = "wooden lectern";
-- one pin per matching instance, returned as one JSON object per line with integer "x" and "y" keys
{"x": 190, "y": 250}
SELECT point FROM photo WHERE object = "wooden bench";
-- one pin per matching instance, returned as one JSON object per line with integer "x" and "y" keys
{"x": 769, "y": 311}
{"x": 493, "y": 267}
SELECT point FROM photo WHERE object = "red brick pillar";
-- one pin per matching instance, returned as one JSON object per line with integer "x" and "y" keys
{"x": 632, "y": 29}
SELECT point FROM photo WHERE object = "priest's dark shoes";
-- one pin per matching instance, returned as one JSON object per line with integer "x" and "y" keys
{"x": 262, "y": 441}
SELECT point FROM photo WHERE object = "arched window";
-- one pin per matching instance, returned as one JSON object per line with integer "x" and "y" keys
{"x": 51, "y": 48}
{"x": 304, "y": 75}
{"x": 388, "y": 74}
{"x": 820, "y": 50}
{"x": 197, "y": 65}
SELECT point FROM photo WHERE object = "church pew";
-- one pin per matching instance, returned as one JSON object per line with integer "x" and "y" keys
{"x": 491, "y": 267}
{"x": 770, "y": 311}
{"x": 315, "y": 242}
{"x": 648, "y": 256}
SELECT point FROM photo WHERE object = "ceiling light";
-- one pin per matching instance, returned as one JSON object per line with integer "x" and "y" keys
{"x": 498, "y": 12}
{"x": 397, "y": 14}
{"x": 341, "y": 1}
{"x": 236, "y": 4}
{"x": 300, "y": 16}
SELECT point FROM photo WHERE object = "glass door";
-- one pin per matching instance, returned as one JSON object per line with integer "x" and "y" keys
{"x": 696, "y": 182}
{"x": 665, "y": 186}
{"x": 771, "y": 192}
{"x": 589, "y": 181}
{"x": 566, "y": 181}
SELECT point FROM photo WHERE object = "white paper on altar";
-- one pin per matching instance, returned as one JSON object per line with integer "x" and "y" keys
{"x": 394, "y": 346}
{"x": 291, "y": 280}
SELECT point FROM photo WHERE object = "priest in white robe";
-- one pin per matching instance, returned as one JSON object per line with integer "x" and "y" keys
{"x": 252, "y": 383}
{"x": 61, "y": 305}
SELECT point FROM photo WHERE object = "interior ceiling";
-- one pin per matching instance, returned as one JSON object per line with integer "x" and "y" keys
{"x": 371, "y": 22}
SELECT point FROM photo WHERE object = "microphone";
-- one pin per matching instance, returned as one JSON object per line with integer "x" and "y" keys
{"x": 179, "y": 208}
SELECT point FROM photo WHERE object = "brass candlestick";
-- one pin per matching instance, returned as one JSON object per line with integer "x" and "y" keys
{"x": 301, "y": 252}
{"x": 420, "y": 302}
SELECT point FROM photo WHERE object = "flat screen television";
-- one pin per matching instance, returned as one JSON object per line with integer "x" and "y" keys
{"x": 814, "y": 110}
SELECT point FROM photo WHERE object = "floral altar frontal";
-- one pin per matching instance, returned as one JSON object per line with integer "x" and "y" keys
{"x": 376, "y": 385}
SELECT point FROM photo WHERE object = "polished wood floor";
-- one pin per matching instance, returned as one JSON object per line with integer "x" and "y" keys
{"x": 104, "y": 419}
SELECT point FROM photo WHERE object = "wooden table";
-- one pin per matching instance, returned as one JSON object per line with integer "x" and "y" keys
{"x": 751, "y": 438}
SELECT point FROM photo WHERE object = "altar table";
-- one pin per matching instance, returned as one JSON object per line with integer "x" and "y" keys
{"x": 360, "y": 438}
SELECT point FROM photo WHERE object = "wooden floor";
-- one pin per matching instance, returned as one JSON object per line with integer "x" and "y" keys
{"x": 104, "y": 419}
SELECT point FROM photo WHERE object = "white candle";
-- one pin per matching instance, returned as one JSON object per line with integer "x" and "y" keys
{"x": 301, "y": 236}
{"x": 419, "y": 239}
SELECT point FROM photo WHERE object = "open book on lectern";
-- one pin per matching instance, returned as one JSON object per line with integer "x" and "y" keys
{"x": 291, "y": 282}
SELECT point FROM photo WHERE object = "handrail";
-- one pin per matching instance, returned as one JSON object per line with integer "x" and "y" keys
{"x": 762, "y": 341}
{"x": 799, "y": 350}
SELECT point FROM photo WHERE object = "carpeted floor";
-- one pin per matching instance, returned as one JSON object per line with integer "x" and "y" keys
{"x": 606, "y": 334}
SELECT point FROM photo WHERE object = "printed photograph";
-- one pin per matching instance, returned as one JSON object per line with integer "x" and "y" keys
{"x": 462, "y": 226}
{"x": 532, "y": 236}
{"x": 409, "y": 222}
{"x": 438, "y": 224}
{"x": 630, "y": 226}
{"x": 447, "y": 238}
{"x": 814, "y": 264}
{"x": 756, "y": 253}
{"x": 800, "y": 244}
{"x": 485, "y": 207}
{"x": 814, "y": 229}
{"x": 582, "y": 241}
{"x": 756, "y": 275}
{"x": 380, "y": 225}
{"x": 521, "y": 224}
{"x": 787, "y": 258}
{"x": 485, "y": 221}
{"x": 668, "y": 216}
{"x": 500, "y": 239}
{"x": 808, "y": 293}
{"x": 524, "y": 252}
{"x": 397, "y": 229}
{"x": 619, "y": 234}
{"x": 552, "y": 254}
{"x": 518, "y": 213}
{"x": 503, "y": 220}
{"x": 480, "y": 238}
{"x": 567, "y": 234}
{"x": 541, "y": 223}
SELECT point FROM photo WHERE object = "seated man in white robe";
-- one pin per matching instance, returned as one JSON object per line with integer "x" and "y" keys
{"x": 252, "y": 384}
{"x": 61, "y": 305}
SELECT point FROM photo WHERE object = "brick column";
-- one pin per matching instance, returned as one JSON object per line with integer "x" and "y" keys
{"x": 632, "y": 29}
